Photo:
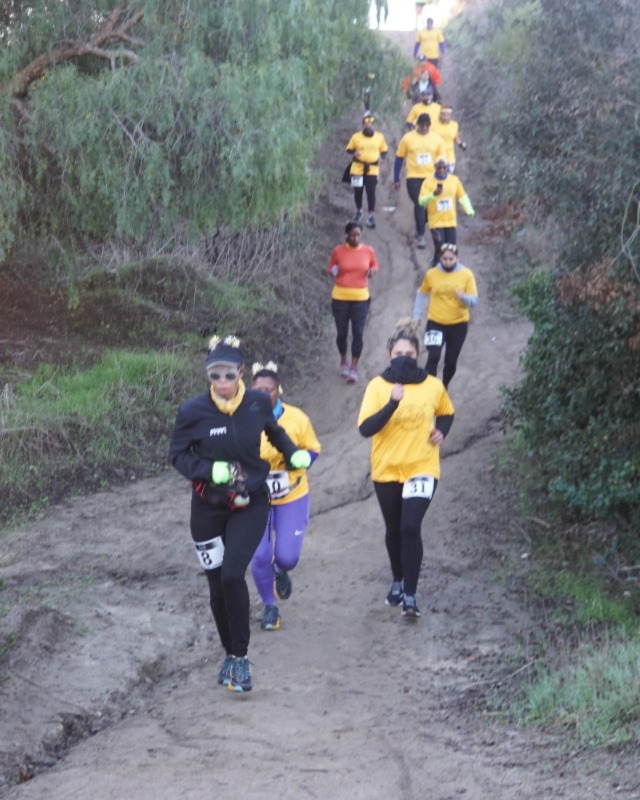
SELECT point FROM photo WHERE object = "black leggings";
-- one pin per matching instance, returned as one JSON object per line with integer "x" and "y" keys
{"x": 241, "y": 531}
{"x": 370, "y": 183}
{"x": 354, "y": 311}
{"x": 442, "y": 236}
{"x": 453, "y": 337}
{"x": 419, "y": 212}
{"x": 403, "y": 537}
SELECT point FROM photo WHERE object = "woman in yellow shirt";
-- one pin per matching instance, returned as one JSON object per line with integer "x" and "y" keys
{"x": 281, "y": 545}
{"x": 453, "y": 291}
{"x": 408, "y": 413}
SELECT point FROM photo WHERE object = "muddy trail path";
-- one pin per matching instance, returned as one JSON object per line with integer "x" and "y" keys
{"x": 109, "y": 688}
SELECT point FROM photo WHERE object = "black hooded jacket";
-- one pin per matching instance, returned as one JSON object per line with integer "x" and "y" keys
{"x": 203, "y": 434}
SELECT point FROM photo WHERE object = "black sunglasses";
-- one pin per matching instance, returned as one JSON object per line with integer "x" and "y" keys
{"x": 230, "y": 376}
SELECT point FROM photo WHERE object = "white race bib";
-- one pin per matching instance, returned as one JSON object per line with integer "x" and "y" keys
{"x": 278, "y": 483}
{"x": 433, "y": 338}
{"x": 419, "y": 486}
{"x": 210, "y": 553}
{"x": 357, "y": 181}
{"x": 424, "y": 159}
{"x": 444, "y": 205}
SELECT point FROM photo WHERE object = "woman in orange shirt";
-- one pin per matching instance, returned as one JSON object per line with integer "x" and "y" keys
{"x": 351, "y": 264}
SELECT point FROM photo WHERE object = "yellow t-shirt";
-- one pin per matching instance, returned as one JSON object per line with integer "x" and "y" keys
{"x": 441, "y": 211}
{"x": 370, "y": 149}
{"x": 432, "y": 109}
{"x": 402, "y": 448}
{"x": 299, "y": 429}
{"x": 429, "y": 42}
{"x": 449, "y": 132}
{"x": 420, "y": 151}
{"x": 444, "y": 306}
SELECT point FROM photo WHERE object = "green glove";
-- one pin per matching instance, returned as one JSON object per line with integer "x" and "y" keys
{"x": 466, "y": 204}
{"x": 300, "y": 459}
{"x": 220, "y": 472}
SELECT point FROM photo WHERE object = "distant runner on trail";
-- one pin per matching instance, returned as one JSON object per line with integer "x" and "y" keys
{"x": 420, "y": 148}
{"x": 367, "y": 148}
{"x": 425, "y": 105}
{"x": 430, "y": 42}
{"x": 281, "y": 545}
{"x": 440, "y": 193}
{"x": 398, "y": 411}
{"x": 453, "y": 291}
{"x": 215, "y": 443}
{"x": 351, "y": 264}
{"x": 449, "y": 129}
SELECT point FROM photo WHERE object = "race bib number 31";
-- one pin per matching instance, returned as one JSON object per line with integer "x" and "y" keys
{"x": 444, "y": 205}
{"x": 419, "y": 486}
{"x": 278, "y": 483}
{"x": 210, "y": 553}
{"x": 424, "y": 159}
{"x": 433, "y": 338}
{"x": 357, "y": 181}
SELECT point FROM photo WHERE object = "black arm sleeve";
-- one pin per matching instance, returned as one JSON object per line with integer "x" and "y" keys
{"x": 376, "y": 422}
{"x": 444, "y": 423}
{"x": 181, "y": 452}
{"x": 279, "y": 439}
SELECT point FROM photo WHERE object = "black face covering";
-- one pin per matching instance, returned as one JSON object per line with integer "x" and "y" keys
{"x": 368, "y": 133}
{"x": 404, "y": 369}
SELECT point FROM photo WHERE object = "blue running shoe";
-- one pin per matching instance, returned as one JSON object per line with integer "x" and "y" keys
{"x": 394, "y": 598}
{"x": 409, "y": 607}
{"x": 225, "y": 671}
{"x": 240, "y": 679}
{"x": 270, "y": 619}
{"x": 284, "y": 586}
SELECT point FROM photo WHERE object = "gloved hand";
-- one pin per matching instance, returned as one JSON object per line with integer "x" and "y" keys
{"x": 300, "y": 459}
{"x": 463, "y": 145}
{"x": 220, "y": 472}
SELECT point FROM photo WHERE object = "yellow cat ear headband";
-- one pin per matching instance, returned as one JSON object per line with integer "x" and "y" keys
{"x": 271, "y": 367}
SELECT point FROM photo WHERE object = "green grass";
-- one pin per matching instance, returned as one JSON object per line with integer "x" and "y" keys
{"x": 595, "y": 696}
{"x": 65, "y": 432}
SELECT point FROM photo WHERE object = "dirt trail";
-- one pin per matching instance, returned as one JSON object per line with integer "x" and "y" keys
{"x": 113, "y": 670}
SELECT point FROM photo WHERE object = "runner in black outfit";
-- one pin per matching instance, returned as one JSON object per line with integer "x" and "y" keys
{"x": 215, "y": 443}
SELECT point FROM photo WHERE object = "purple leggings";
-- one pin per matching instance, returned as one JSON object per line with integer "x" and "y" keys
{"x": 280, "y": 545}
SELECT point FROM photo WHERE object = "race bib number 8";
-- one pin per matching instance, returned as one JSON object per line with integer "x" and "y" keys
{"x": 210, "y": 553}
{"x": 278, "y": 483}
{"x": 357, "y": 181}
{"x": 419, "y": 486}
{"x": 444, "y": 205}
{"x": 424, "y": 159}
{"x": 433, "y": 338}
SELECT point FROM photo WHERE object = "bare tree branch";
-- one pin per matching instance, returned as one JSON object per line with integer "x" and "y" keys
{"x": 96, "y": 45}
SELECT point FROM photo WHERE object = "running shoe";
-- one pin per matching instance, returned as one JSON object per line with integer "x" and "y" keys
{"x": 421, "y": 244}
{"x": 240, "y": 678}
{"x": 353, "y": 376}
{"x": 270, "y": 619}
{"x": 371, "y": 222}
{"x": 394, "y": 598}
{"x": 409, "y": 607}
{"x": 344, "y": 369}
{"x": 225, "y": 671}
{"x": 284, "y": 586}
{"x": 358, "y": 215}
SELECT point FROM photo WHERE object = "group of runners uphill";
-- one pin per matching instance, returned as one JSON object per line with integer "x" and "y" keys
{"x": 246, "y": 452}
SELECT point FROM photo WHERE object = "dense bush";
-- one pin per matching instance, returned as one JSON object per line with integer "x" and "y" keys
{"x": 556, "y": 86}
{"x": 204, "y": 115}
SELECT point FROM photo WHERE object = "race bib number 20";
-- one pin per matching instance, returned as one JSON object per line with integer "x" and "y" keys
{"x": 419, "y": 486}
